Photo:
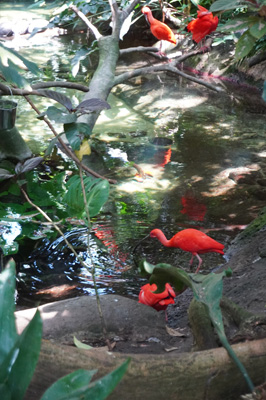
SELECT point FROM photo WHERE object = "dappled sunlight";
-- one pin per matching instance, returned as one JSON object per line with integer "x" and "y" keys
{"x": 121, "y": 118}
{"x": 224, "y": 182}
{"x": 154, "y": 181}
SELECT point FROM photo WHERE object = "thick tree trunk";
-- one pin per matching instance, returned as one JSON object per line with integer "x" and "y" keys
{"x": 103, "y": 78}
{"x": 201, "y": 375}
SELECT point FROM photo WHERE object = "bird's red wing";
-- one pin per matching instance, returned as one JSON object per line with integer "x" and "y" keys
{"x": 162, "y": 32}
{"x": 195, "y": 241}
{"x": 202, "y": 27}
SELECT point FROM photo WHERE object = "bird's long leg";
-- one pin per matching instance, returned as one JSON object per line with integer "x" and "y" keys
{"x": 200, "y": 262}
{"x": 191, "y": 260}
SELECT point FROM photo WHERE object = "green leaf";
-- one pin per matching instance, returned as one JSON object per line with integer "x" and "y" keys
{"x": 221, "y": 5}
{"x": 244, "y": 45}
{"x": 81, "y": 345}
{"x": 79, "y": 56}
{"x": 258, "y": 29}
{"x": 73, "y": 136}
{"x": 23, "y": 358}
{"x": 60, "y": 116}
{"x": 5, "y": 174}
{"x": 8, "y": 333}
{"x": 76, "y": 385}
{"x": 9, "y": 249}
{"x": 97, "y": 197}
{"x": 69, "y": 386}
{"x": 97, "y": 192}
{"x": 11, "y": 75}
{"x": 10, "y": 64}
{"x": 101, "y": 389}
{"x": 13, "y": 55}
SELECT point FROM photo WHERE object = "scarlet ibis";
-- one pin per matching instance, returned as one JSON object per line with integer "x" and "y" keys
{"x": 159, "y": 301}
{"x": 160, "y": 30}
{"x": 203, "y": 25}
{"x": 191, "y": 240}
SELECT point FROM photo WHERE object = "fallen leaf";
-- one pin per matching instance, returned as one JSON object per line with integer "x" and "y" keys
{"x": 174, "y": 332}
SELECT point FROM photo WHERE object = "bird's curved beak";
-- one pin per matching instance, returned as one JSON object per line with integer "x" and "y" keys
{"x": 146, "y": 237}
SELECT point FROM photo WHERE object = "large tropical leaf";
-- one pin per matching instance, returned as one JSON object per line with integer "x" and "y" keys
{"x": 77, "y": 385}
{"x": 244, "y": 45}
{"x": 59, "y": 97}
{"x": 97, "y": 192}
{"x": 207, "y": 289}
{"x": 11, "y": 63}
{"x": 8, "y": 333}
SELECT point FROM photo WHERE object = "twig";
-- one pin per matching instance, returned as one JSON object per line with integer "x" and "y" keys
{"x": 99, "y": 306}
{"x": 68, "y": 151}
{"x": 83, "y": 17}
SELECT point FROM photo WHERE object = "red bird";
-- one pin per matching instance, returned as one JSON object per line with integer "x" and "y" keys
{"x": 203, "y": 25}
{"x": 159, "y": 301}
{"x": 160, "y": 30}
{"x": 191, "y": 240}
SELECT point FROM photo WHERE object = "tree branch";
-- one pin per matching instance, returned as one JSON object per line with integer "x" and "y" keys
{"x": 11, "y": 91}
{"x": 67, "y": 150}
{"x": 83, "y": 17}
{"x": 164, "y": 68}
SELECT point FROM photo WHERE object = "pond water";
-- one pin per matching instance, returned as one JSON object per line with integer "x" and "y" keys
{"x": 204, "y": 159}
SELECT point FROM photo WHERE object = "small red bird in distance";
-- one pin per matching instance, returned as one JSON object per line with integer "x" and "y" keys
{"x": 191, "y": 240}
{"x": 203, "y": 25}
{"x": 160, "y": 30}
{"x": 159, "y": 301}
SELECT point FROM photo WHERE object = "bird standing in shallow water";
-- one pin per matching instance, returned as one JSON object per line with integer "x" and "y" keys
{"x": 160, "y": 30}
{"x": 191, "y": 240}
{"x": 159, "y": 301}
{"x": 203, "y": 25}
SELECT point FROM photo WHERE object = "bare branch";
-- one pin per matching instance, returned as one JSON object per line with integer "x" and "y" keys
{"x": 68, "y": 85}
{"x": 6, "y": 90}
{"x": 170, "y": 67}
{"x": 83, "y": 17}
{"x": 138, "y": 49}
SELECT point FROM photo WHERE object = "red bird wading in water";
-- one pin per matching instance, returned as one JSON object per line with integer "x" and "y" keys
{"x": 191, "y": 240}
{"x": 160, "y": 30}
{"x": 159, "y": 301}
{"x": 203, "y": 25}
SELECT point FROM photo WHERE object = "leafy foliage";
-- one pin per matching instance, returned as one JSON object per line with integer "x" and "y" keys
{"x": 19, "y": 355}
{"x": 11, "y": 63}
{"x": 97, "y": 192}
{"x": 206, "y": 288}
{"x": 249, "y": 26}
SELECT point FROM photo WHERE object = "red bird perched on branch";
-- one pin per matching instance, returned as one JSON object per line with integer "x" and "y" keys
{"x": 203, "y": 25}
{"x": 191, "y": 240}
{"x": 159, "y": 301}
{"x": 160, "y": 30}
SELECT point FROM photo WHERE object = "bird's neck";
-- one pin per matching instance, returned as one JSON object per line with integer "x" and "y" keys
{"x": 163, "y": 239}
{"x": 150, "y": 17}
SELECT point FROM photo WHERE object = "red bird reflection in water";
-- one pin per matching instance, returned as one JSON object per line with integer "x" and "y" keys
{"x": 192, "y": 207}
{"x": 106, "y": 235}
{"x": 161, "y": 158}
{"x": 159, "y": 301}
{"x": 203, "y": 25}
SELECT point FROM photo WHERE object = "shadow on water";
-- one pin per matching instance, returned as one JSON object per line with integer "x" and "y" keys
{"x": 204, "y": 160}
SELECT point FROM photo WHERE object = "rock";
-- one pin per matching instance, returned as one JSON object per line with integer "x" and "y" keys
{"x": 79, "y": 316}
